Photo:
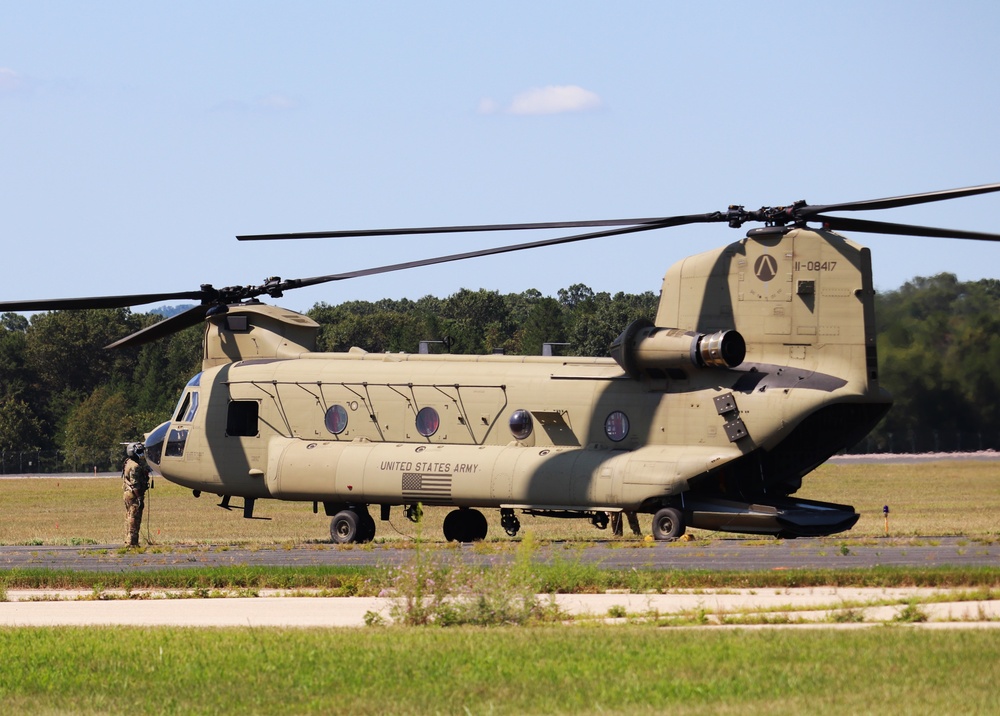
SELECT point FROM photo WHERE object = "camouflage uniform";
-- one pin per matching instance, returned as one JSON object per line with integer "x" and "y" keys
{"x": 616, "y": 523}
{"x": 135, "y": 482}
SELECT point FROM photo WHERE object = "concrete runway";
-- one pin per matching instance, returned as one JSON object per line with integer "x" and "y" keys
{"x": 820, "y": 606}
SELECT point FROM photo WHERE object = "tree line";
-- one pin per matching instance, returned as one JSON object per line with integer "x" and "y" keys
{"x": 64, "y": 397}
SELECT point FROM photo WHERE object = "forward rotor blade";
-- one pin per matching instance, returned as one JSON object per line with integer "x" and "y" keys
{"x": 444, "y": 229}
{"x": 58, "y": 304}
{"x": 891, "y": 203}
{"x": 659, "y": 224}
{"x": 838, "y": 223}
{"x": 161, "y": 329}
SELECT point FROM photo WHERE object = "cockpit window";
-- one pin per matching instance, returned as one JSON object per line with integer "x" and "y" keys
{"x": 182, "y": 407}
{"x": 187, "y": 407}
{"x": 189, "y": 415}
{"x": 175, "y": 443}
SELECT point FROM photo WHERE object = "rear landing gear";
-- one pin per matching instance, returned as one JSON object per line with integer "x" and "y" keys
{"x": 668, "y": 524}
{"x": 465, "y": 525}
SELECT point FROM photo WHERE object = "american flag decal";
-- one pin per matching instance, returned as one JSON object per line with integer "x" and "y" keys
{"x": 429, "y": 489}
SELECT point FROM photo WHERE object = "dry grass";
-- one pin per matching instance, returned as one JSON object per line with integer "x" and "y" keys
{"x": 943, "y": 498}
{"x": 955, "y": 497}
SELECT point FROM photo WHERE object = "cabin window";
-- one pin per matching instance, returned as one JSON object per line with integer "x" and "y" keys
{"x": 520, "y": 424}
{"x": 616, "y": 426}
{"x": 428, "y": 421}
{"x": 336, "y": 419}
{"x": 242, "y": 418}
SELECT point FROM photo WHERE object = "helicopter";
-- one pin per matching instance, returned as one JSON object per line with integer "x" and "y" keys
{"x": 760, "y": 364}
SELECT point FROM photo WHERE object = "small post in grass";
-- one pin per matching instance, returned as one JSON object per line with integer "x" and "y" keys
{"x": 885, "y": 511}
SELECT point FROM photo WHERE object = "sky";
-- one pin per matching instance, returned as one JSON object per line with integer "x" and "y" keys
{"x": 137, "y": 140}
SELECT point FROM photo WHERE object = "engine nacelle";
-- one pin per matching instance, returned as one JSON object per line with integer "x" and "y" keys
{"x": 645, "y": 350}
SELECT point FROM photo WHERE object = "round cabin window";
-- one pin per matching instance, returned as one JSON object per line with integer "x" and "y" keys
{"x": 520, "y": 424}
{"x": 428, "y": 422}
{"x": 336, "y": 419}
{"x": 616, "y": 426}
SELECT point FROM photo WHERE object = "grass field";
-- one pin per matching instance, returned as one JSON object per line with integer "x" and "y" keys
{"x": 941, "y": 498}
{"x": 585, "y": 668}
{"x": 545, "y": 670}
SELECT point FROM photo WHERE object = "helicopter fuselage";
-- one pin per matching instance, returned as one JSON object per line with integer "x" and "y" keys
{"x": 724, "y": 439}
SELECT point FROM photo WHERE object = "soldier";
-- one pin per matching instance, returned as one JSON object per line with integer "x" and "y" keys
{"x": 135, "y": 482}
{"x": 616, "y": 523}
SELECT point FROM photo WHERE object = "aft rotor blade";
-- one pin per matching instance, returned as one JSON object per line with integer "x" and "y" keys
{"x": 348, "y": 234}
{"x": 58, "y": 304}
{"x": 659, "y": 224}
{"x": 808, "y": 212}
{"x": 838, "y": 223}
{"x": 161, "y": 329}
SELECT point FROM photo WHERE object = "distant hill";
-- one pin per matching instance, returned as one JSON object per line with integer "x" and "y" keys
{"x": 168, "y": 311}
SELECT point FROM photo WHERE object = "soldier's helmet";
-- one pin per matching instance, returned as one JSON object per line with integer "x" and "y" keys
{"x": 135, "y": 450}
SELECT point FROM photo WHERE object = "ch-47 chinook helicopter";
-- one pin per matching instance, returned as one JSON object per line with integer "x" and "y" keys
{"x": 760, "y": 365}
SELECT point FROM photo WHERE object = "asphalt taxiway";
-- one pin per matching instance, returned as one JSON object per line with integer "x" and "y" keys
{"x": 716, "y": 554}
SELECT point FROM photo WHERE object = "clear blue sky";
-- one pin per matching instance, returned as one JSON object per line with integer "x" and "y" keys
{"x": 138, "y": 138}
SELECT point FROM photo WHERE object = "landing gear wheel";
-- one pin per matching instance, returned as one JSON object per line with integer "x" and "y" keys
{"x": 508, "y": 520}
{"x": 465, "y": 525}
{"x": 668, "y": 524}
{"x": 344, "y": 527}
{"x": 478, "y": 525}
{"x": 366, "y": 528}
{"x": 452, "y": 526}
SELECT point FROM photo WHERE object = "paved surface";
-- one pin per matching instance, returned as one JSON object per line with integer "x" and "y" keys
{"x": 746, "y": 608}
{"x": 725, "y": 554}
{"x": 781, "y": 607}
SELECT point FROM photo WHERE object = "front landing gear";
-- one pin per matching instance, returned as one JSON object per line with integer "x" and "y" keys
{"x": 668, "y": 524}
{"x": 465, "y": 525}
{"x": 352, "y": 525}
{"x": 508, "y": 520}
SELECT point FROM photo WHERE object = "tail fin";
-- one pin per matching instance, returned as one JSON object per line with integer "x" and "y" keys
{"x": 799, "y": 298}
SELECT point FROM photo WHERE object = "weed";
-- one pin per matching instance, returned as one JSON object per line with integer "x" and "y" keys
{"x": 617, "y": 611}
{"x": 847, "y": 616}
{"x": 430, "y": 592}
{"x": 374, "y": 619}
{"x": 754, "y": 619}
{"x": 911, "y": 614}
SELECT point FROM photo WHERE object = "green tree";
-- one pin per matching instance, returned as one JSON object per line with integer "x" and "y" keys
{"x": 66, "y": 348}
{"x": 603, "y": 318}
{"x": 20, "y": 428}
{"x": 96, "y": 429}
{"x": 939, "y": 355}
{"x": 477, "y": 321}
{"x": 162, "y": 370}
{"x": 544, "y": 323}
{"x": 17, "y": 377}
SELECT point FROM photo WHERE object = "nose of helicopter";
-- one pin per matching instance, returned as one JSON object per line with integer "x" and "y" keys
{"x": 154, "y": 444}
